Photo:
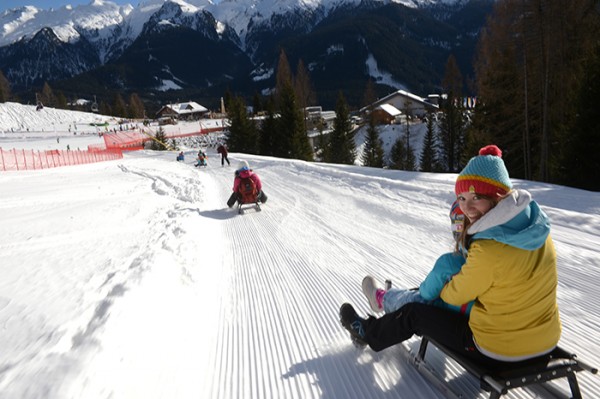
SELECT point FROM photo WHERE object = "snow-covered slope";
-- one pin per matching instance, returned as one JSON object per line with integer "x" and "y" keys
{"x": 132, "y": 279}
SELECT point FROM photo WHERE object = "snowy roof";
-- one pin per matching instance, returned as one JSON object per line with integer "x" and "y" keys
{"x": 389, "y": 109}
{"x": 189, "y": 107}
{"x": 413, "y": 97}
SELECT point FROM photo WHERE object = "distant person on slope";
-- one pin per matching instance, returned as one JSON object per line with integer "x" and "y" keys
{"x": 391, "y": 299}
{"x": 201, "y": 160}
{"x": 222, "y": 149}
{"x": 510, "y": 273}
{"x": 244, "y": 176}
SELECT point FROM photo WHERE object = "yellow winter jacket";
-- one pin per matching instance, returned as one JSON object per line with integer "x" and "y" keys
{"x": 515, "y": 312}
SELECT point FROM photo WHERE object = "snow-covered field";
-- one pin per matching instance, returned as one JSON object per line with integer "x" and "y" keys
{"x": 132, "y": 279}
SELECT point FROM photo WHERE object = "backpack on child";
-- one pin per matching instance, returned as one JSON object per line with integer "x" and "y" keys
{"x": 247, "y": 190}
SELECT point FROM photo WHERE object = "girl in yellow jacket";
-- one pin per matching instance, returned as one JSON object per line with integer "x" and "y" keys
{"x": 510, "y": 273}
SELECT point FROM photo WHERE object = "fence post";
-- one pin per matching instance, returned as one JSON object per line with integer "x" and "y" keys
{"x": 16, "y": 159}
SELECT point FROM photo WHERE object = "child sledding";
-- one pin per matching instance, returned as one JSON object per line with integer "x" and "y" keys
{"x": 505, "y": 271}
{"x": 247, "y": 189}
{"x": 201, "y": 160}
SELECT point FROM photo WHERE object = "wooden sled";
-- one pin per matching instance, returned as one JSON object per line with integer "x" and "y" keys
{"x": 530, "y": 373}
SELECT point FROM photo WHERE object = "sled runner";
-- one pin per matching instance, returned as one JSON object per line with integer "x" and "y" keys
{"x": 532, "y": 373}
{"x": 256, "y": 206}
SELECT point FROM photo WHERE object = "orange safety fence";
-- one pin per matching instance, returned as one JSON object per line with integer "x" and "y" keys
{"x": 115, "y": 144}
{"x": 32, "y": 159}
{"x": 131, "y": 139}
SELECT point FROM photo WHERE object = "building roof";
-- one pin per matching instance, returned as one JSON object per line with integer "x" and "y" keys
{"x": 189, "y": 107}
{"x": 390, "y": 110}
{"x": 413, "y": 97}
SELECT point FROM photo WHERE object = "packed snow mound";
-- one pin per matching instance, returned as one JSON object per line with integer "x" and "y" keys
{"x": 15, "y": 117}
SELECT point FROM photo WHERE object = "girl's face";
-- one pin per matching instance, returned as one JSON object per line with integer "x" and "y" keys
{"x": 473, "y": 205}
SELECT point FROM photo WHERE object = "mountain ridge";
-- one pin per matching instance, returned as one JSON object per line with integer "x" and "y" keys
{"x": 128, "y": 38}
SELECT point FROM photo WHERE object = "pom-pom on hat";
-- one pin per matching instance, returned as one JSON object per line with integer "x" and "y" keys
{"x": 484, "y": 174}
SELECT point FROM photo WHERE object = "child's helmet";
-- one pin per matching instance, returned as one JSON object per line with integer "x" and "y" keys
{"x": 243, "y": 166}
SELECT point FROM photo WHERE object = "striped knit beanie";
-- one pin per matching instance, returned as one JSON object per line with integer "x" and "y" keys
{"x": 484, "y": 174}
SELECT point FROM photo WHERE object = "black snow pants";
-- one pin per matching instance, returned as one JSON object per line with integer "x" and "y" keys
{"x": 262, "y": 197}
{"x": 444, "y": 326}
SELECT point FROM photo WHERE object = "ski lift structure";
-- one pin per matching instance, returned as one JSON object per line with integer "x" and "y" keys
{"x": 39, "y": 106}
{"x": 94, "y": 105}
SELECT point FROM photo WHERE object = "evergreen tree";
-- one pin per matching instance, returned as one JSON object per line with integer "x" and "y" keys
{"x": 136, "y": 107}
{"x": 61, "y": 101}
{"x": 227, "y": 99}
{"x": 429, "y": 158}
{"x": 410, "y": 163}
{"x": 304, "y": 91}
{"x": 268, "y": 130}
{"x": 5, "y": 94}
{"x": 47, "y": 96}
{"x": 119, "y": 107}
{"x": 284, "y": 74}
{"x": 291, "y": 141}
{"x": 452, "y": 126}
{"x": 160, "y": 140}
{"x": 243, "y": 135}
{"x": 582, "y": 161}
{"x": 370, "y": 96}
{"x": 342, "y": 147}
{"x": 256, "y": 104}
{"x": 105, "y": 108}
{"x": 322, "y": 150}
{"x": 529, "y": 65}
{"x": 398, "y": 155}
{"x": 373, "y": 150}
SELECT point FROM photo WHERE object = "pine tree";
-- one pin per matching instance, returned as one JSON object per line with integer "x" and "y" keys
{"x": 303, "y": 89}
{"x": 292, "y": 141}
{"x": 398, "y": 155}
{"x": 284, "y": 76}
{"x": 160, "y": 140}
{"x": 410, "y": 163}
{"x": 429, "y": 158}
{"x": 529, "y": 66}
{"x": 342, "y": 147}
{"x": 105, "y": 108}
{"x": 136, "y": 107}
{"x": 119, "y": 107}
{"x": 369, "y": 96}
{"x": 452, "y": 126}
{"x": 373, "y": 150}
{"x": 268, "y": 130}
{"x": 5, "y": 94}
{"x": 61, "y": 101}
{"x": 256, "y": 104}
{"x": 47, "y": 96}
{"x": 582, "y": 161}
{"x": 243, "y": 135}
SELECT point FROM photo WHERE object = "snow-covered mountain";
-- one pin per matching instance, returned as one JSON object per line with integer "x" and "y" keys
{"x": 98, "y": 20}
{"x": 141, "y": 47}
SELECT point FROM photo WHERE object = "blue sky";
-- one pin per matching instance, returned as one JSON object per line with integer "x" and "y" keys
{"x": 47, "y": 4}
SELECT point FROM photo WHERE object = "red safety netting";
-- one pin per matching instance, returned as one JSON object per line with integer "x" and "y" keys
{"x": 115, "y": 144}
{"x": 130, "y": 139}
{"x": 32, "y": 159}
